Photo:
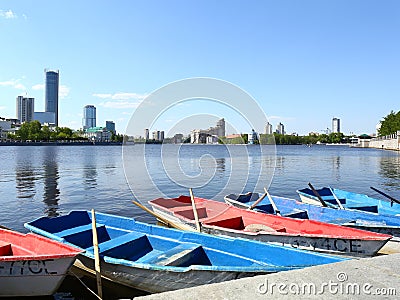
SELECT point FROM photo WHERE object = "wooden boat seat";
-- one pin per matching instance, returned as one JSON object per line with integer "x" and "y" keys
{"x": 177, "y": 256}
{"x": 333, "y": 201}
{"x": 368, "y": 208}
{"x": 5, "y": 249}
{"x": 188, "y": 213}
{"x": 130, "y": 246}
{"x": 82, "y": 236}
{"x": 297, "y": 214}
{"x": 77, "y": 229}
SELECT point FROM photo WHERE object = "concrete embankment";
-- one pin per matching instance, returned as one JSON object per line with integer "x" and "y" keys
{"x": 391, "y": 142}
{"x": 367, "y": 278}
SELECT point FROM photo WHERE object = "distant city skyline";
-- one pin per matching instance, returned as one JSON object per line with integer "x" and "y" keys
{"x": 300, "y": 61}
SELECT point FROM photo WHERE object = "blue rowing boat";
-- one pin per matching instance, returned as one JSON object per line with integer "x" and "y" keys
{"x": 156, "y": 259}
{"x": 300, "y": 210}
{"x": 349, "y": 200}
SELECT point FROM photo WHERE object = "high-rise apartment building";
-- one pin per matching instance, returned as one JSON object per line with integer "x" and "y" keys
{"x": 25, "y": 108}
{"x": 280, "y": 128}
{"x": 146, "y": 134}
{"x": 89, "y": 117}
{"x": 211, "y": 135}
{"x": 268, "y": 128}
{"x": 335, "y": 125}
{"x": 51, "y": 93}
{"x": 110, "y": 125}
{"x": 220, "y": 128}
{"x": 155, "y": 135}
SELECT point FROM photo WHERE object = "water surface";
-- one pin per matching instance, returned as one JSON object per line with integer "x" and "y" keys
{"x": 52, "y": 180}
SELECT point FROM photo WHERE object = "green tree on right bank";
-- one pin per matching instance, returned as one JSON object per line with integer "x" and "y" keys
{"x": 390, "y": 124}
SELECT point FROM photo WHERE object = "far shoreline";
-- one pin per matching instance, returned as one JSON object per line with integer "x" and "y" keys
{"x": 60, "y": 143}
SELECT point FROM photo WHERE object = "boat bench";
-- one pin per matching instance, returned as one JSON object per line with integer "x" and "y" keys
{"x": 121, "y": 240}
{"x": 367, "y": 208}
{"x": 296, "y": 213}
{"x": 173, "y": 257}
{"x": 5, "y": 249}
{"x": 333, "y": 201}
{"x": 130, "y": 246}
{"x": 74, "y": 230}
{"x": 188, "y": 213}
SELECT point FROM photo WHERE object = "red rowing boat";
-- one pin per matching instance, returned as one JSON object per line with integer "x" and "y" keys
{"x": 224, "y": 219}
{"x": 31, "y": 265}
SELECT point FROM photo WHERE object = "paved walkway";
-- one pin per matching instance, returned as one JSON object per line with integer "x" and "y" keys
{"x": 367, "y": 278}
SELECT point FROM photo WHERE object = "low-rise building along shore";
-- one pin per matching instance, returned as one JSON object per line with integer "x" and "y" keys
{"x": 389, "y": 142}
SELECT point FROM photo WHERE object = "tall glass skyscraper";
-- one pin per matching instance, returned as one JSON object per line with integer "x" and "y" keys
{"x": 89, "y": 117}
{"x": 51, "y": 94}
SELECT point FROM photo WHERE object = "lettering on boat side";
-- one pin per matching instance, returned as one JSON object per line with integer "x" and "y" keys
{"x": 340, "y": 245}
{"x": 26, "y": 267}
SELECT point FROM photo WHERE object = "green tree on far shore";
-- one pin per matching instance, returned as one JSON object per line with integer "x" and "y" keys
{"x": 390, "y": 124}
{"x": 34, "y": 131}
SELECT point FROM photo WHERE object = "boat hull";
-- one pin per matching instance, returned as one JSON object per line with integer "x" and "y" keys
{"x": 333, "y": 245}
{"x": 36, "y": 277}
{"x": 157, "y": 281}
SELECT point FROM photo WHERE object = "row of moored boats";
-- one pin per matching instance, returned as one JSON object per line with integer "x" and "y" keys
{"x": 246, "y": 235}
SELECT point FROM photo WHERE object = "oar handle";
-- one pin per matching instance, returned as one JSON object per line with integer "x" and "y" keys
{"x": 336, "y": 198}
{"x": 162, "y": 219}
{"x": 196, "y": 216}
{"x": 318, "y": 195}
{"x": 257, "y": 201}
{"x": 386, "y": 195}
{"x": 276, "y": 210}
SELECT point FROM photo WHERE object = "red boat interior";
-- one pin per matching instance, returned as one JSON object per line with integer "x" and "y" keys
{"x": 15, "y": 245}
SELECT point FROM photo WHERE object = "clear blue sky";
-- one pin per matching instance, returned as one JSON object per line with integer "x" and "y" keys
{"x": 303, "y": 61}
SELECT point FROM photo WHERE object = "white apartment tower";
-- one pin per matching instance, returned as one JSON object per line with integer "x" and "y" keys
{"x": 25, "y": 109}
{"x": 335, "y": 125}
{"x": 280, "y": 128}
{"x": 268, "y": 128}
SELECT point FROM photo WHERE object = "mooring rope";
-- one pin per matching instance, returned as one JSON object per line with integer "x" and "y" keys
{"x": 85, "y": 285}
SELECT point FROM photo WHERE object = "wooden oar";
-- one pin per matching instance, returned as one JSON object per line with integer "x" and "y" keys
{"x": 96, "y": 256}
{"x": 386, "y": 195}
{"x": 196, "y": 216}
{"x": 162, "y": 219}
{"x": 336, "y": 198}
{"x": 276, "y": 210}
{"x": 318, "y": 195}
{"x": 257, "y": 201}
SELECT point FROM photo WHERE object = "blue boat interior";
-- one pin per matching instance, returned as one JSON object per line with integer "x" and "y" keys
{"x": 125, "y": 239}
{"x": 136, "y": 246}
{"x": 328, "y": 197}
{"x": 266, "y": 207}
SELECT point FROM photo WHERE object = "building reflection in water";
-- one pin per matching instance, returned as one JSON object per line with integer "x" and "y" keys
{"x": 51, "y": 191}
{"x": 336, "y": 167}
{"x": 390, "y": 171}
{"x": 90, "y": 171}
{"x": 25, "y": 179}
{"x": 220, "y": 165}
